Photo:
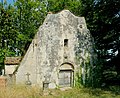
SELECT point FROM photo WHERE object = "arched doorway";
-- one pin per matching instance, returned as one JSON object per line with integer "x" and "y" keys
{"x": 66, "y": 75}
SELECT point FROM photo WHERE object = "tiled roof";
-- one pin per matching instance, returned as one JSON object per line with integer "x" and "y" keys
{"x": 12, "y": 60}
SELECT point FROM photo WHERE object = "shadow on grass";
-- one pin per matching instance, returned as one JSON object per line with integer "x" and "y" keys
{"x": 110, "y": 92}
{"x": 114, "y": 89}
{"x": 93, "y": 91}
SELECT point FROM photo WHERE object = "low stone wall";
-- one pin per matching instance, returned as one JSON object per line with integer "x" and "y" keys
{"x": 3, "y": 81}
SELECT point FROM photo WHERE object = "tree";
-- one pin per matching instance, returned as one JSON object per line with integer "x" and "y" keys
{"x": 29, "y": 15}
{"x": 57, "y": 5}
{"x": 7, "y": 32}
{"x": 103, "y": 19}
{"x": 18, "y": 25}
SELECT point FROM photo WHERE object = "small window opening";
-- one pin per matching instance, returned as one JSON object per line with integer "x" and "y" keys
{"x": 66, "y": 42}
{"x": 65, "y": 57}
{"x": 80, "y": 26}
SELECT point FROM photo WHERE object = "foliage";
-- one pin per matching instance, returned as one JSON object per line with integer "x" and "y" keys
{"x": 58, "y": 5}
{"x": 7, "y": 33}
{"x": 29, "y": 15}
{"x": 78, "y": 80}
{"x": 18, "y": 25}
{"x": 103, "y": 21}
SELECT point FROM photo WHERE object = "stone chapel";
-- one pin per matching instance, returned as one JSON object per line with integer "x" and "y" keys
{"x": 60, "y": 50}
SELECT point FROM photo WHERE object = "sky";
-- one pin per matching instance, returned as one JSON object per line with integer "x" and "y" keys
{"x": 8, "y": 1}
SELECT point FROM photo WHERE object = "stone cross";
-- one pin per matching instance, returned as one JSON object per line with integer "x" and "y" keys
{"x": 28, "y": 79}
{"x": 27, "y": 74}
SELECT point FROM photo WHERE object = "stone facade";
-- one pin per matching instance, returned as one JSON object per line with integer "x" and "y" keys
{"x": 61, "y": 48}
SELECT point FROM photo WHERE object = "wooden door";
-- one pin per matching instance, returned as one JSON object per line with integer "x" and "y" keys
{"x": 65, "y": 78}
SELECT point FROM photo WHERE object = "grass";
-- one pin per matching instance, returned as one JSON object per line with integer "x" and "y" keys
{"x": 35, "y": 92}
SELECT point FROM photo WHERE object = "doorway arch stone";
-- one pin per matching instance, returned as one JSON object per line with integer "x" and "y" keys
{"x": 66, "y": 75}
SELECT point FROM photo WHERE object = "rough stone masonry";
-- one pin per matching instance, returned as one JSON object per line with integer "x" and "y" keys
{"x": 61, "y": 50}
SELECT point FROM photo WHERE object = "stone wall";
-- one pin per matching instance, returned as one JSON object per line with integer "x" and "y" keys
{"x": 28, "y": 65}
{"x": 62, "y": 39}
{"x": 3, "y": 82}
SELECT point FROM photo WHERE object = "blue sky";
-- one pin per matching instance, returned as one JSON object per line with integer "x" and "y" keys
{"x": 8, "y": 1}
